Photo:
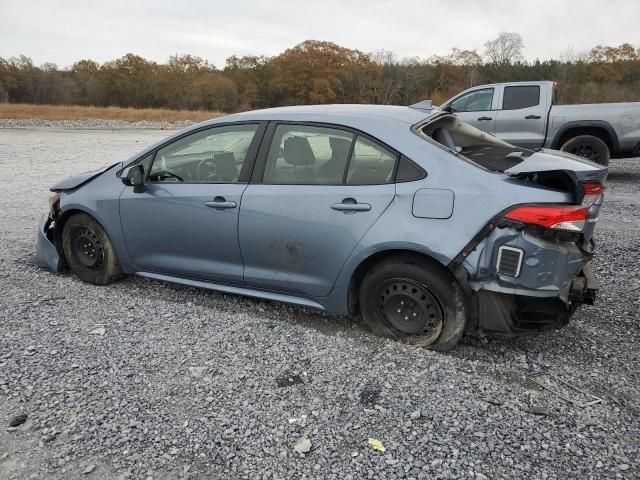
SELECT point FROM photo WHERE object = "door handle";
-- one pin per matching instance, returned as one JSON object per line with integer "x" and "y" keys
{"x": 532, "y": 117}
{"x": 350, "y": 205}
{"x": 485, "y": 118}
{"x": 220, "y": 203}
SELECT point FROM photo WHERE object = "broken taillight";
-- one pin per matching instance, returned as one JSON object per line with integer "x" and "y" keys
{"x": 591, "y": 191}
{"x": 557, "y": 217}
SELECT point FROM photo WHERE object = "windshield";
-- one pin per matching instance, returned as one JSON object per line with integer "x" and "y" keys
{"x": 475, "y": 145}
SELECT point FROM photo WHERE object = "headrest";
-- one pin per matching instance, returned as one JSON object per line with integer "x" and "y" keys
{"x": 442, "y": 136}
{"x": 339, "y": 147}
{"x": 297, "y": 151}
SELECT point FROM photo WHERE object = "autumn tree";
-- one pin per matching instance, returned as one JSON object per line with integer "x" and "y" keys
{"x": 506, "y": 49}
{"x": 319, "y": 72}
{"x": 316, "y": 72}
{"x": 86, "y": 76}
{"x": 216, "y": 92}
{"x": 622, "y": 53}
{"x": 251, "y": 76}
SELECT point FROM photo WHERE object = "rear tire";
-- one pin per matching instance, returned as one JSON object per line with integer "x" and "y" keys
{"x": 413, "y": 300}
{"x": 88, "y": 250}
{"x": 589, "y": 147}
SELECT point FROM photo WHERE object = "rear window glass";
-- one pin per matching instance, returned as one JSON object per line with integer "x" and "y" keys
{"x": 474, "y": 145}
{"x": 520, "y": 97}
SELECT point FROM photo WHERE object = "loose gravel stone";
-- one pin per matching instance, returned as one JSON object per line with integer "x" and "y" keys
{"x": 125, "y": 400}
{"x": 92, "y": 124}
{"x": 18, "y": 420}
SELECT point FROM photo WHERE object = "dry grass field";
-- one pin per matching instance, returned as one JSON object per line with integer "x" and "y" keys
{"x": 78, "y": 112}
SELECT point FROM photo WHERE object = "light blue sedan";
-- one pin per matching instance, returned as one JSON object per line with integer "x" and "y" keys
{"x": 423, "y": 224}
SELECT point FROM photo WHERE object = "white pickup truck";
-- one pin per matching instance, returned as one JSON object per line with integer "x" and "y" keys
{"x": 525, "y": 114}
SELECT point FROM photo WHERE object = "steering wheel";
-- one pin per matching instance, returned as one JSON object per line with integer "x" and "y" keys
{"x": 167, "y": 173}
{"x": 200, "y": 173}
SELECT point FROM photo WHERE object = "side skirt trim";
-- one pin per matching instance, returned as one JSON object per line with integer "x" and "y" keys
{"x": 220, "y": 287}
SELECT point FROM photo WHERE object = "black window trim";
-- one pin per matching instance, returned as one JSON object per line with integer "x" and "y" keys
{"x": 257, "y": 176}
{"x": 247, "y": 166}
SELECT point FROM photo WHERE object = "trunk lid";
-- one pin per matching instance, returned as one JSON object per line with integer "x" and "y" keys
{"x": 578, "y": 168}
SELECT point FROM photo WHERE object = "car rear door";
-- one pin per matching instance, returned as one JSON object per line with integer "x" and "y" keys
{"x": 477, "y": 107}
{"x": 315, "y": 192}
{"x": 185, "y": 222}
{"x": 522, "y": 115}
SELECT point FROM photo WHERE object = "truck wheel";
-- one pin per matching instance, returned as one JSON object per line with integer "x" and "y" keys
{"x": 589, "y": 147}
{"x": 88, "y": 250}
{"x": 413, "y": 300}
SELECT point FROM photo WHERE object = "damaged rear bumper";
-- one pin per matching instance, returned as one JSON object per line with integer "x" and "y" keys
{"x": 520, "y": 314}
{"x": 538, "y": 292}
{"x": 47, "y": 254}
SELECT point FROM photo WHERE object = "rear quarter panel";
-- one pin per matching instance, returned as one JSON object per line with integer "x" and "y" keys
{"x": 479, "y": 195}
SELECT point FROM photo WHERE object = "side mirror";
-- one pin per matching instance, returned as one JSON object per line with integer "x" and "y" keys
{"x": 448, "y": 108}
{"x": 134, "y": 177}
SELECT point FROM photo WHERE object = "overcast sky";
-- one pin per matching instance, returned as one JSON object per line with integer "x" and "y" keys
{"x": 63, "y": 32}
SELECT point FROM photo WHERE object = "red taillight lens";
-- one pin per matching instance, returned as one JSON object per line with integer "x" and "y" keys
{"x": 591, "y": 192}
{"x": 557, "y": 217}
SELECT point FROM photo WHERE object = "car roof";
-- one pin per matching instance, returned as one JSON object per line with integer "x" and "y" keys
{"x": 345, "y": 114}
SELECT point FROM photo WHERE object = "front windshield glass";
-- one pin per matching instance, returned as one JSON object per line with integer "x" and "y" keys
{"x": 475, "y": 145}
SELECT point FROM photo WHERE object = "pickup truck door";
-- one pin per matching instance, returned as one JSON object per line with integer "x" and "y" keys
{"x": 477, "y": 107}
{"x": 522, "y": 115}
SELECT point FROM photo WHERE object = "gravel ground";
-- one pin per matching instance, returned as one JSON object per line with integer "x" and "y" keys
{"x": 90, "y": 124}
{"x": 147, "y": 380}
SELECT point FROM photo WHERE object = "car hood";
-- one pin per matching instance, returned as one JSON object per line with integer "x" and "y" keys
{"x": 79, "y": 180}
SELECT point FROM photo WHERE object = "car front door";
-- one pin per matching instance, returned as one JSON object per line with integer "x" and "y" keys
{"x": 318, "y": 190}
{"x": 185, "y": 222}
{"x": 476, "y": 107}
{"x": 522, "y": 116}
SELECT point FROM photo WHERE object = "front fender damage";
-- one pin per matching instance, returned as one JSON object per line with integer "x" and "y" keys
{"x": 47, "y": 254}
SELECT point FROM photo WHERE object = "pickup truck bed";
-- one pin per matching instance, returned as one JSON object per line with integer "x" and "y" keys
{"x": 525, "y": 114}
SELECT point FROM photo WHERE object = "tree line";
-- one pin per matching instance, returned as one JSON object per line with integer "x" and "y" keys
{"x": 316, "y": 72}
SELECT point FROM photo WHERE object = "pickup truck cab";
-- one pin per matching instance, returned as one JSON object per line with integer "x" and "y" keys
{"x": 526, "y": 114}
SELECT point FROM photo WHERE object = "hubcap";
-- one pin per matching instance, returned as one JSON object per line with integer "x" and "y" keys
{"x": 87, "y": 248}
{"x": 409, "y": 307}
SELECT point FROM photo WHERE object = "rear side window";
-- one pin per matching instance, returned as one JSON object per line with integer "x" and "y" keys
{"x": 520, "y": 97}
{"x": 408, "y": 171}
{"x": 370, "y": 164}
{"x": 302, "y": 154}
{"x": 318, "y": 155}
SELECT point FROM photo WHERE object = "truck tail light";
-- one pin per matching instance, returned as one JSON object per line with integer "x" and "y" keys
{"x": 568, "y": 218}
{"x": 591, "y": 191}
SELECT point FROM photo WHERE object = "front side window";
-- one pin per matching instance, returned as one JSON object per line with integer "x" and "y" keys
{"x": 215, "y": 155}
{"x": 476, "y": 101}
{"x": 301, "y": 154}
{"x": 523, "y": 96}
{"x": 370, "y": 164}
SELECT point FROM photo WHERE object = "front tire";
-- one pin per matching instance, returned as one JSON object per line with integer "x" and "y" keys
{"x": 589, "y": 147}
{"x": 414, "y": 300}
{"x": 88, "y": 250}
